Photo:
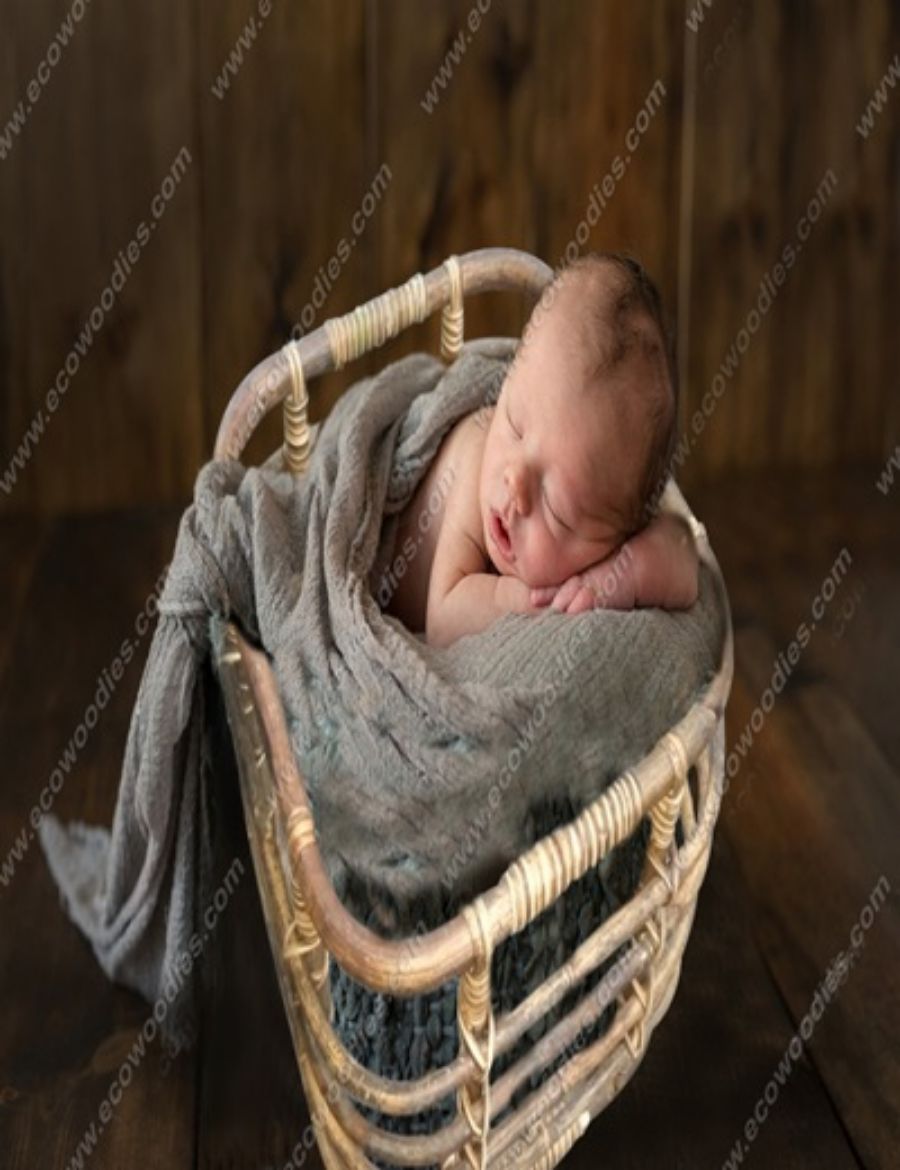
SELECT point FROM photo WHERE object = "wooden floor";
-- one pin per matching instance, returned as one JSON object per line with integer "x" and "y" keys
{"x": 808, "y": 837}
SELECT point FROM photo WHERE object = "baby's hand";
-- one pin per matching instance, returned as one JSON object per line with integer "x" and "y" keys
{"x": 658, "y": 566}
{"x": 515, "y": 596}
{"x": 573, "y": 596}
{"x": 608, "y": 583}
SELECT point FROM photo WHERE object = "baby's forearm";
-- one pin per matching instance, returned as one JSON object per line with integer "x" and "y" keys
{"x": 613, "y": 580}
{"x": 665, "y": 563}
{"x": 474, "y": 602}
{"x": 655, "y": 567}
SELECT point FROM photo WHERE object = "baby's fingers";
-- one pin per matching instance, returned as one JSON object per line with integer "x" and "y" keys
{"x": 583, "y": 600}
{"x": 566, "y": 593}
{"x": 543, "y": 594}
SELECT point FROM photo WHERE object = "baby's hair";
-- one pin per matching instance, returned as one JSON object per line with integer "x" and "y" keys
{"x": 626, "y": 322}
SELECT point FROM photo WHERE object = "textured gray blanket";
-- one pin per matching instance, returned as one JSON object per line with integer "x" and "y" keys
{"x": 423, "y": 764}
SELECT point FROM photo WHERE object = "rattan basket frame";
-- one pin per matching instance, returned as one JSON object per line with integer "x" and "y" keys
{"x": 679, "y": 780}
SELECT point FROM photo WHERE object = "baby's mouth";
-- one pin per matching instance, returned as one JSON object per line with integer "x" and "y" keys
{"x": 500, "y": 535}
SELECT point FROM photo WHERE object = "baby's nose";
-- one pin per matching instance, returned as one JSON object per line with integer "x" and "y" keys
{"x": 517, "y": 488}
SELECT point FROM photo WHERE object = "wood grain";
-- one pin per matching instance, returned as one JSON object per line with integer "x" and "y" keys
{"x": 99, "y": 142}
{"x": 813, "y": 886}
{"x": 22, "y": 542}
{"x": 765, "y": 932}
{"x": 587, "y": 108}
{"x": 718, "y": 1061}
{"x": 277, "y": 243}
{"x": 532, "y": 103}
{"x": 459, "y": 169}
{"x": 812, "y": 380}
{"x": 65, "y": 1044}
{"x": 813, "y": 807}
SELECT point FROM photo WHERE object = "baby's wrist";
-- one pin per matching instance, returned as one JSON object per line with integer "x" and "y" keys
{"x": 513, "y": 595}
{"x": 614, "y": 580}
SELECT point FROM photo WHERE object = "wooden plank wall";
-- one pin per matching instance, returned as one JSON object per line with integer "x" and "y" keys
{"x": 76, "y": 185}
{"x": 526, "y": 139}
{"x": 780, "y": 89}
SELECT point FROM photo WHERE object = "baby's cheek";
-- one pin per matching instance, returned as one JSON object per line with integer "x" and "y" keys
{"x": 565, "y": 561}
{"x": 544, "y": 564}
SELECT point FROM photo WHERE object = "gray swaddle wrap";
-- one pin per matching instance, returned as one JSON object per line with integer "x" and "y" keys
{"x": 401, "y": 743}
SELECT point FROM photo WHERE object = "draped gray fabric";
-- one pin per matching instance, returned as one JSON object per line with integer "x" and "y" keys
{"x": 423, "y": 764}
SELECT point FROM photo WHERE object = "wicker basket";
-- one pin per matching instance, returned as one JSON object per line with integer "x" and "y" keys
{"x": 677, "y": 786}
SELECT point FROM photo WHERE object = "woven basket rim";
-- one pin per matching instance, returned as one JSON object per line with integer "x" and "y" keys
{"x": 246, "y": 673}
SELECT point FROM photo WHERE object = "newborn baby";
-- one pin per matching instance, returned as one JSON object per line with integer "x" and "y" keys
{"x": 548, "y": 496}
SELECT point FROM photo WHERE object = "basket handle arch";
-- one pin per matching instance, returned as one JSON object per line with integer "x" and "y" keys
{"x": 282, "y": 376}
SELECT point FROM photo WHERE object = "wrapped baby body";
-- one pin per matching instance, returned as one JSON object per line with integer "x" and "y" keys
{"x": 548, "y": 490}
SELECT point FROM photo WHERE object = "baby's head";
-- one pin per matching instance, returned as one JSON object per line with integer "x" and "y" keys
{"x": 581, "y": 438}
